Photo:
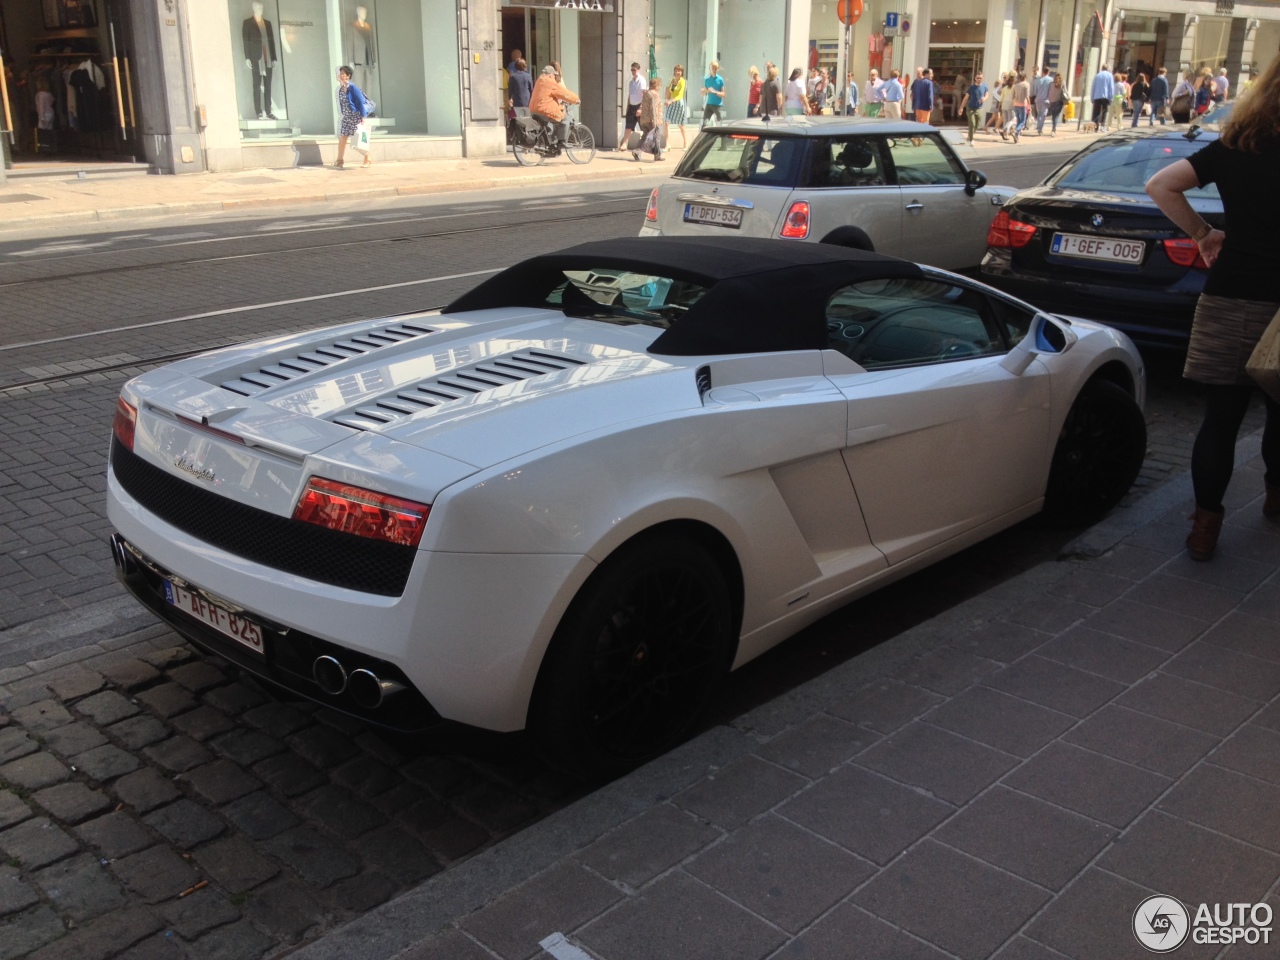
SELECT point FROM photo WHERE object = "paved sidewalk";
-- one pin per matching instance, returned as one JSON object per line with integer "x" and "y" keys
{"x": 1009, "y": 780}
{"x": 27, "y": 203}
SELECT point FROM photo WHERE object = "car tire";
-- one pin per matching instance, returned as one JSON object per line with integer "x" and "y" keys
{"x": 638, "y": 656}
{"x": 1100, "y": 450}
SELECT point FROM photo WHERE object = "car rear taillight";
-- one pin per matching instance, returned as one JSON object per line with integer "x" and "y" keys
{"x": 796, "y": 225}
{"x": 1185, "y": 252}
{"x": 651, "y": 211}
{"x": 125, "y": 420}
{"x": 342, "y": 507}
{"x": 1009, "y": 233}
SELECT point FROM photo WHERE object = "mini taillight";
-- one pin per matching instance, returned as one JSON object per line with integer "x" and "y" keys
{"x": 125, "y": 420}
{"x": 340, "y": 506}
{"x": 651, "y": 211}
{"x": 1185, "y": 252}
{"x": 796, "y": 225}
{"x": 1009, "y": 233}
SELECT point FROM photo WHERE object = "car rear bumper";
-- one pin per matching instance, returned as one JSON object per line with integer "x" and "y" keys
{"x": 1151, "y": 317}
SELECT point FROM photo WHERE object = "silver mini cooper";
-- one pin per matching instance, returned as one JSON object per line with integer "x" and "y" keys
{"x": 894, "y": 187}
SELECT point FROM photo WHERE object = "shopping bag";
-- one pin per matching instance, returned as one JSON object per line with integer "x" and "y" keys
{"x": 360, "y": 142}
{"x": 1264, "y": 362}
{"x": 1069, "y": 111}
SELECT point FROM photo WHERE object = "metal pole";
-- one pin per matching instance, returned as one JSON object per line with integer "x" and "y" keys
{"x": 1074, "y": 46}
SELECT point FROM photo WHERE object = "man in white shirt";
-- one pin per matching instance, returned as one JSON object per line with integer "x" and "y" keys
{"x": 635, "y": 96}
{"x": 871, "y": 96}
{"x": 1221, "y": 86}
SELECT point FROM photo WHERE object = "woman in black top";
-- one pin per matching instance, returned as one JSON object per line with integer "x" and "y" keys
{"x": 1139, "y": 94}
{"x": 1241, "y": 293}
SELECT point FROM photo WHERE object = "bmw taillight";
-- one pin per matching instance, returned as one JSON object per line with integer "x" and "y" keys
{"x": 1006, "y": 232}
{"x": 1185, "y": 252}
{"x": 348, "y": 509}
{"x": 796, "y": 225}
{"x": 125, "y": 421}
{"x": 651, "y": 211}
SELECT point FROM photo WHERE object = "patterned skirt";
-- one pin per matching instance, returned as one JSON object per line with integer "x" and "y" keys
{"x": 1223, "y": 335}
{"x": 350, "y": 119}
{"x": 675, "y": 112}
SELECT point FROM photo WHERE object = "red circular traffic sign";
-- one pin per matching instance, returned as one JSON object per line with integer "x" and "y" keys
{"x": 849, "y": 11}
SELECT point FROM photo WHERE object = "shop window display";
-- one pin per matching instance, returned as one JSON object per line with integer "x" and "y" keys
{"x": 291, "y": 49}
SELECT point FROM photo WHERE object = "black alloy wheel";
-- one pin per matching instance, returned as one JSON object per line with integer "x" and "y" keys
{"x": 1099, "y": 453}
{"x": 636, "y": 660}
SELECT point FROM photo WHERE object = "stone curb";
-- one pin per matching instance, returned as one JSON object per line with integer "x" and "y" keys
{"x": 392, "y": 928}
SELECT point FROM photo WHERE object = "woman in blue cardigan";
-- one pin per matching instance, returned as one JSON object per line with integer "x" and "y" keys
{"x": 355, "y": 106}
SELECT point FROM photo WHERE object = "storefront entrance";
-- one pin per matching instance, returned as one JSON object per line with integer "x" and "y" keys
{"x": 69, "y": 81}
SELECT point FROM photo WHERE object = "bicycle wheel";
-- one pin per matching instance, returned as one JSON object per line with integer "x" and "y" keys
{"x": 527, "y": 156}
{"x": 581, "y": 145}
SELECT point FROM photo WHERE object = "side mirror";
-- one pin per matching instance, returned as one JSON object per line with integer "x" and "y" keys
{"x": 974, "y": 181}
{"x": 1048, "y": 335}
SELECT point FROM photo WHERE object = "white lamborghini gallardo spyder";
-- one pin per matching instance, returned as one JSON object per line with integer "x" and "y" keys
{"x": 584, "y": 491}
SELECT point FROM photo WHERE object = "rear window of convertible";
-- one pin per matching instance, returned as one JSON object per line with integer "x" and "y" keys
{"x": 726, "y": 157}
{"x": 619, "y": 296}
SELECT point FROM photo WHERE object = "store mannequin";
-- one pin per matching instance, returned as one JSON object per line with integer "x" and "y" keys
{"x": 260, "y": 57}
{"x": 362, "y": 52}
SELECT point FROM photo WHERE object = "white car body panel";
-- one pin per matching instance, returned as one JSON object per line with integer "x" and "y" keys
{"x": 802, "y": 461}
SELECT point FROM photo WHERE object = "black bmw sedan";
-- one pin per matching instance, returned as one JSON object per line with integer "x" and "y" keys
{"x": 1089, "y": 242}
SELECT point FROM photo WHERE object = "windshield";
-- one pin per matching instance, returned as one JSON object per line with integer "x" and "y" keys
{"x": 743, "y": 158}
{"x": 619, "y": 296}
{"x": 1126, "y": 166}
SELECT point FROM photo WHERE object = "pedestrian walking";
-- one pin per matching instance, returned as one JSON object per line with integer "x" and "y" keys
{"x": 1221, "y": 86}
{"x": 1040, "y": 98}
{"x": 1119, "y": 100}
{"x": 796, "y": 99}
{"x": 1203, "y": 87}
{"x": 922, "y": 96}
{"x": 519, "y": 86}
{"x": 1008, "y": 118}
{"x": 1101, "y": 92}
{"x": 1021, "y": 105}
{"x": 821, "y": 91}
{"x": 650, "y": 122}
{"x": 991, "y": 107}
{"x": 1159, "y": 95}
{"x": 892, "y": 95}
{"x": 1184, "y": 98}
{"x": 753, "y": 91}
{"x": 976, "y": 96}
{"x": 1140, "y": 97}
{"x": 771, "y": 93}
{"x": 636, "y": 87}
{"x": 713, "y": 92}
{"x": 1241, "y": 294}
{"x": 959, "y": 96}
{"x": 872, "y": 96}
{"x": 850, "y": 95}
{"x": 354, "y": 107}
{"x": 675, "y": 111}
{"x": 1057, "y": 102}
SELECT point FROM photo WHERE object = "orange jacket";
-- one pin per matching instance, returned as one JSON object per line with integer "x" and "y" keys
{"x": 546, "y": 96}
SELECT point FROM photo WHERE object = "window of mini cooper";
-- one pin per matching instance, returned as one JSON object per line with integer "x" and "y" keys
{"x": 730, "y": 157}
{"x": 619, "y": 296}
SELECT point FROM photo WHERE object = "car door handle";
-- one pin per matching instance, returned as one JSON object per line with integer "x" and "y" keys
{"x": 916, "y": 205}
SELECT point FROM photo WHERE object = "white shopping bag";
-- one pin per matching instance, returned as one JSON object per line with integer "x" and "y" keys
{"x": 360, "y": 142}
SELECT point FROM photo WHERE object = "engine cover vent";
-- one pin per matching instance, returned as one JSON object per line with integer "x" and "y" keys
{"x": 282, "y": 371}
{"x": 455, "y": 385}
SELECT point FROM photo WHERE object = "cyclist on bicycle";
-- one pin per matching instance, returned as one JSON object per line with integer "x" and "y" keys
{"x": 545, "y": 103}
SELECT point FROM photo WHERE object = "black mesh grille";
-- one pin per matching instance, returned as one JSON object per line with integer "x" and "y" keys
{"x": 340, "y": 559}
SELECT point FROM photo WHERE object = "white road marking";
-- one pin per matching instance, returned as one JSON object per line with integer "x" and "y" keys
{"x": 246, "y": 309}
{"x": 194, "y": 235}
{"x": 61, "y": 248}
{"x": 562, "y": 949}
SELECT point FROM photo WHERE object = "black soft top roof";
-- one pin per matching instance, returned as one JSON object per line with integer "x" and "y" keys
{"x": 764, "y": 295}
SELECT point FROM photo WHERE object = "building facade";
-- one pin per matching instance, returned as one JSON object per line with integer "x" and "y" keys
{"x": 193, "y": 85}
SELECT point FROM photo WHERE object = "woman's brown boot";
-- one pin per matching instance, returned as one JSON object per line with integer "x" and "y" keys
{"x": 1271, "y": 505}
{"x": 1205, "y": 527}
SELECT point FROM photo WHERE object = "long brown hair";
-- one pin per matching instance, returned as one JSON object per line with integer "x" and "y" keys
{"x": 1256, "y": 116}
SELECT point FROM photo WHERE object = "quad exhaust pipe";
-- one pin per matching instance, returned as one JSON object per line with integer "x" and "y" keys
{"x": 367, "y": 689}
